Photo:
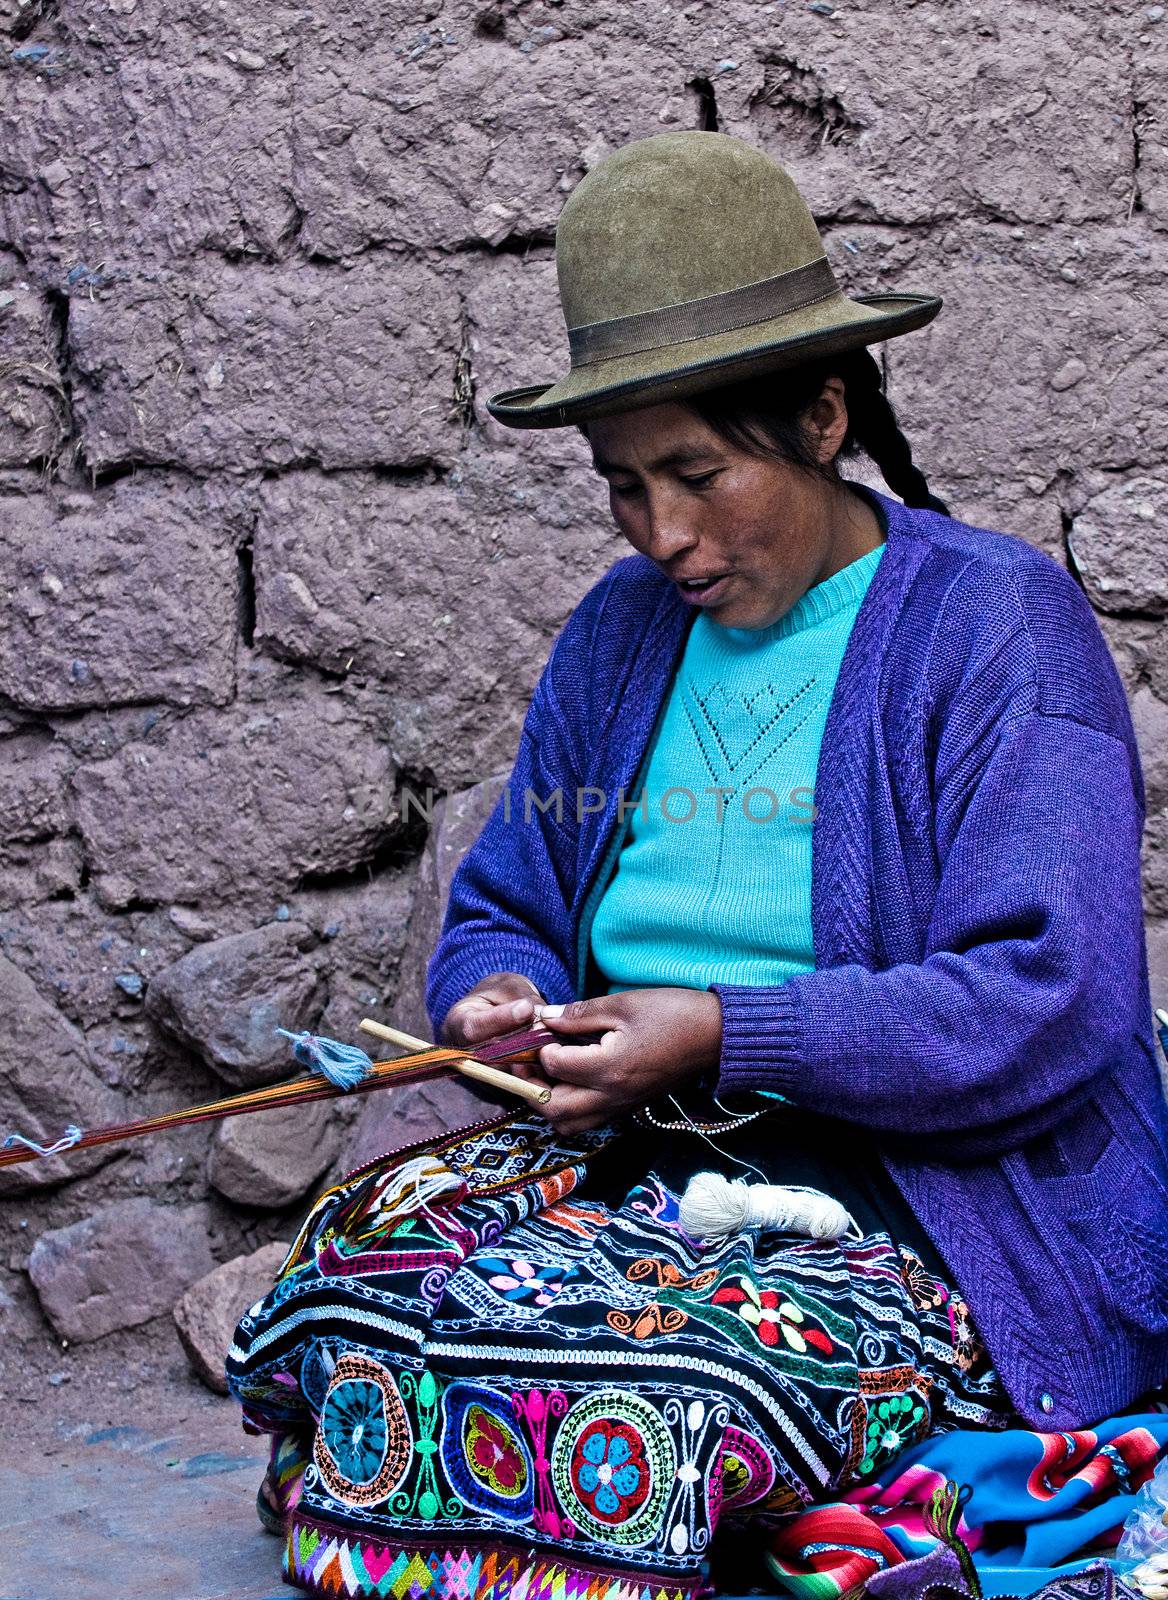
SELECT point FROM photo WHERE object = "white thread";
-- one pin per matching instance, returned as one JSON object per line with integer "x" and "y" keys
{"x": 747, "y": 1166}
{"x": 713, "y": 1207}
{"x": 414, "y": 1185}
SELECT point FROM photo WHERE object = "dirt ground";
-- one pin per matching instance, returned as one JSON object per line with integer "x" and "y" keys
{"x": 124, "y": 1479}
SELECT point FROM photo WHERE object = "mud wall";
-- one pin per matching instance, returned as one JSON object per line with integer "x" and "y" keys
{"x": 267, "y": 562}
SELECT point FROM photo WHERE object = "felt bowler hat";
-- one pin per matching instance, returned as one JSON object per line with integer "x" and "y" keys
{"x": 687, "y": 261}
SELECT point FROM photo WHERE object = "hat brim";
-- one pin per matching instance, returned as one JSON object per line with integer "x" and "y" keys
{"x": 677, "y": 371}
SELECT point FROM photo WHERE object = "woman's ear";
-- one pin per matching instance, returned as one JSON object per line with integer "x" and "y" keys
{"x": 826, "y": 419}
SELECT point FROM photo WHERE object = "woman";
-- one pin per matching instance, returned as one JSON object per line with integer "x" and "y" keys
{"x": 820, "y": 860}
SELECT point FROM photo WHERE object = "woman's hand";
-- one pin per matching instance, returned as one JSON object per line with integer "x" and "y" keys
{"x": 497, "y": 1004}
{"x": 652, "y": 1041}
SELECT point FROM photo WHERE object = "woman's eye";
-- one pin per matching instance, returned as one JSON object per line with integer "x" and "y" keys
{"x": 702, "y": 479}
{"x": 624, "y": 489}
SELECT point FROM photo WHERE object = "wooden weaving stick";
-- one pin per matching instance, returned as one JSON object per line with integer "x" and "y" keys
{"x": 481, "y": 1071}
{"x": 425, "y": 1062}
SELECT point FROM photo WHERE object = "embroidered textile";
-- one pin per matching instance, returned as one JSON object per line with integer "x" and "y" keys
{"x": 506, "y": 1386}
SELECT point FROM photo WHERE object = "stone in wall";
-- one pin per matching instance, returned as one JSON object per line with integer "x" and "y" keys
{"x": 208, "y": 1312}
{"x": 35, "y": 801}
{"x": 225, "y": 999}
{"x": 237, "y": 802}
{"x": 517, "y": 125}
{"x": 458, "y": 820}
{"x": 1149, "y": 92}
{"x": 1150, "y": 717}
{"x": 46, "y": 1083}
{"x": 997, "y": 390}
{"x": 34, "y": 407}
{"x": 266, "y": 1161}
{"x": 187, "y": 146}
{"x": 1118, "y": 547}
{"x": 50, "y": 869}
{"x": 1137, "y": 647}
{"x": 456, "y": 641}
{"x": 36, "y": 809}
{"x": 1013, "y": 116}
{"x": 128, "y": 1262}
{"x": 96, "y": 964}
{"x": 262, "y": 367}
{"x": 516, "y": 337}
{"x": 362, "y": 926}
{"x": 127, "y": 593}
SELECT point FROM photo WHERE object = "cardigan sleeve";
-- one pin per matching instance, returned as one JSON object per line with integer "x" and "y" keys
{"x": 1034, "y": 973}
{"x": 509, "y": 908}
{"x": 511, "y": 898}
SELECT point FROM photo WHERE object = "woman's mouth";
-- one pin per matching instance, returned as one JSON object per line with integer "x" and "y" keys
{"x": 702, "y": 591}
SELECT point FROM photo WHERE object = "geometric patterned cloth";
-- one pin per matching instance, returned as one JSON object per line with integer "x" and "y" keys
{"x": 506, "y": 1382}
{"x": 1035, "y": 1505}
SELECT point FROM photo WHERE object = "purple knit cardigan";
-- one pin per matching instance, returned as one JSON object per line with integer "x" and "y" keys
{"x": 980, "y": 1002}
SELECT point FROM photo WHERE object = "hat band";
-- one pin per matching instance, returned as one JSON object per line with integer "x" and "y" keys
{"x": 697, "y": 319}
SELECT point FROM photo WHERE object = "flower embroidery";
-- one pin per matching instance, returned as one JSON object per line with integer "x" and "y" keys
{"x": 609, "y": 1470}
{"x": 522, "y": 1281}
{"x": 891, "y": 1426}
{"x": 771, "y": 1317}
{"x": 353, "y": 1427}
{"x": 493, "y": 1454}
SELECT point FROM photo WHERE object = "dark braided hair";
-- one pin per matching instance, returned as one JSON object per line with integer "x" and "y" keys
{"x": 763, "y": 417}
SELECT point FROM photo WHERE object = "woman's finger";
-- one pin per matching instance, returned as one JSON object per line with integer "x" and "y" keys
{"x": 570, "y": 1103}
{"x": 485, "y": 1018}
{"x": 584, "y": 1016}
{"x": 574, "y": 1063}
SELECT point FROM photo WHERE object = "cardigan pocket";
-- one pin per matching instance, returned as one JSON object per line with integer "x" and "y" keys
{"x": 1115, "y": 1212}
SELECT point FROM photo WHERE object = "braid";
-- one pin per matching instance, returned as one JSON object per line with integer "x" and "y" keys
{"x": 762, "y": 416}
{"x": 873, "y": 425}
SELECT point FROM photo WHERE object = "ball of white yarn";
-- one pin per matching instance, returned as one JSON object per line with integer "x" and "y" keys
{"x": 713, "y": 1207}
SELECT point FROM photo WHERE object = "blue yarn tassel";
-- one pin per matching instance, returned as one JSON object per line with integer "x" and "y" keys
{"x": 1162, "y": 1031}
{"x": 345, "y": 1065}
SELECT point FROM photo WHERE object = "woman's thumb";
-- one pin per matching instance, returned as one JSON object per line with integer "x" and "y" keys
{"x": 578, "y": 1016}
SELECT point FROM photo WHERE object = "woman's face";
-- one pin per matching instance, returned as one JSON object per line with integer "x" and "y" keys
{"x": 762, "y": 531}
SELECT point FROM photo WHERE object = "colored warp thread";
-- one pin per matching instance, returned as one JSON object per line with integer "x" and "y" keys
{"x": 422, "y": 1064}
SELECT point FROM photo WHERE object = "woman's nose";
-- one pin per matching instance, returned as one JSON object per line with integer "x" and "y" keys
{"x": 671, "y": 529}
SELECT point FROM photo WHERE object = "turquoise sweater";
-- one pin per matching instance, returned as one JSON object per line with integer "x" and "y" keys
{"x": 714, "y": 883}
